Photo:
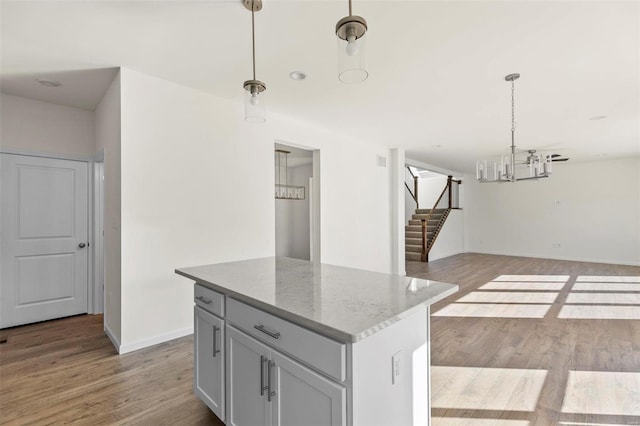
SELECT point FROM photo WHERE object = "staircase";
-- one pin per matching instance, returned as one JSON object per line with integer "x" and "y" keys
{"x": 413, "y": 232}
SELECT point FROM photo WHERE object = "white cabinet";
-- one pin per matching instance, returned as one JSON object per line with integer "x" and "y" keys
{"x": 247, "y": 361}
{"x": 303, "y": 397}
{"x": 269, "y": 388}
{"x": 208, "y": 360}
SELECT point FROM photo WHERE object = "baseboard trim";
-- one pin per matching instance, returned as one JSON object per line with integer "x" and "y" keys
{"x": 160, "y": 338}
{"x": 115, "y": 342}
{"x": 570, "y": 259}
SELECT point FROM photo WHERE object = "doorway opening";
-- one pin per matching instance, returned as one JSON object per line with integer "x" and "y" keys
{"x": 296, "y": 202}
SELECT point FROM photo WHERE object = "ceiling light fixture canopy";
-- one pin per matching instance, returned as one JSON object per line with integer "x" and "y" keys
{"x": 539, "y": 166}
{"x": 352, "y": 64}
{"x": 254, "y": 108}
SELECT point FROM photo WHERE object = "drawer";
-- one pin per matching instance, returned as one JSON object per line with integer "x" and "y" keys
{"x": 209, "y": 300}
{"x": 311, "y": 348}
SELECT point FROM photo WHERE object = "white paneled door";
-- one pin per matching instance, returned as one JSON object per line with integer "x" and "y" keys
{"x": 44, "y": 239}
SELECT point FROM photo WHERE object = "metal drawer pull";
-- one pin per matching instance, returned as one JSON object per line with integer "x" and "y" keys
{"x": 273, "y": 334}
{"x": 270, "y": 393}
{"x": 215, "y": 339}
{"x": 204, "y": 300}
{"x": 263, "y": 359}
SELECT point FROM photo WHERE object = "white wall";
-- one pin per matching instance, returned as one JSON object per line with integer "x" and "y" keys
{"x": 429, "y": 189}
{"x": 108, "y": 136}
{"x": 40, "y": 127}
{"x": 186, "y": 199}
{"x": 450, "y": 240}
{"x": 592, "y": 210}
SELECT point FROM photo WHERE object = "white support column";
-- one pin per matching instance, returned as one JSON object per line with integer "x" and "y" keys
{"x": 396, "y": 216}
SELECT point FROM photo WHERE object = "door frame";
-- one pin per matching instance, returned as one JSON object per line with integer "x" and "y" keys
{"x": 314, "y": 201}
{"x": 92, "y": 307}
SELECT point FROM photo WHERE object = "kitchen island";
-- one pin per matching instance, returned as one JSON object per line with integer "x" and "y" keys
{"x": 280, "y": 341}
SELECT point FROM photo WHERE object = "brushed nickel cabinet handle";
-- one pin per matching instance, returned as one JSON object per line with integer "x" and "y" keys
{"x": 204, "y": 300}
{"x": 273, "y": 334}
{"x": 270, "y": 393}
{"x": 215, "y": 340}
{"x": 263, "y": 359}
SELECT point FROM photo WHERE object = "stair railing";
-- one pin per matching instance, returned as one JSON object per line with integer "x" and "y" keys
{"x": 449, "y": 191}
{"x": 414, "y": 193}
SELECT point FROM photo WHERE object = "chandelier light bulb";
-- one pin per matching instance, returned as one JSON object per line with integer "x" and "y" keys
{"x": 352, "y": 46}
{"x": 254, "y": 98}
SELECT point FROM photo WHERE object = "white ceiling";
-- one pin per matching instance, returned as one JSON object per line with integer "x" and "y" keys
{"x": 436, "y": 69}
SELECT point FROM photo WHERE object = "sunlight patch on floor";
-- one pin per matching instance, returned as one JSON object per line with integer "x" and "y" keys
{"x": 599, "y": 312}
{"x": 608, "y": 279}
{"x": 605, "y": 298}
{"x": 508, "y": 297}
{"x": 606, "y": 287}
{"x": 539, "y": 278}
{"x": 472, "y": 421}
{"x": 486, "y": 388}
{"x": 493, "y": 310}
{"x": 602, "y": 392}
{"x": 520, "y": 285}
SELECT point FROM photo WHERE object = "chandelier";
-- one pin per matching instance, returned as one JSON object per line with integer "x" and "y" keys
{"x": 284, "y": 191}
{"x": 539, "y": 166}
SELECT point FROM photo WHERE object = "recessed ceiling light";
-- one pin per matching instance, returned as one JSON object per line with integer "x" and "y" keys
{"x": 598, "y": 117}
{"x": 297, "y": 75}
{"x": 48, "y": 83}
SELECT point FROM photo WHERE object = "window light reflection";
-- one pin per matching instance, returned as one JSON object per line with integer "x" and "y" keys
{"x": 599, "y": 312}
{"x": 493, "y": 310}
{"x": 539, "y": 278}
{"x": 503, "y": 389}
{"x": 618, "y": 393}
{"x": 519, "y": 285}
{"x": 608, "y": 279}
{"x": 508, "y": 297}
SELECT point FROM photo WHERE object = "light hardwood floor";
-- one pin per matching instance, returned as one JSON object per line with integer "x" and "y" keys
{"x": 522, "y": 343}
{"x": 67, "y": 372}
{"x": 559, "y": 366}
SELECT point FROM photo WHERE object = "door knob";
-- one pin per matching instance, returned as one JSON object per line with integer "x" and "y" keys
{"x": 82, "y": 245}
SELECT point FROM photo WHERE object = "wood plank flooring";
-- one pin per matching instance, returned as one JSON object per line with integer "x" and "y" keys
{"x": 67, "y": 372}
{"x": 504, "y": 356}
{"x": 569, "y": 369}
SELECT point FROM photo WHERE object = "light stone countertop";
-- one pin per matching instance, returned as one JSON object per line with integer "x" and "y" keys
{"x": 344, "y": 304}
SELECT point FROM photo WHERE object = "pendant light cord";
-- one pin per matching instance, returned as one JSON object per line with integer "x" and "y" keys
{"x": 253, "y": 39}
{"x": 350, "y": 8}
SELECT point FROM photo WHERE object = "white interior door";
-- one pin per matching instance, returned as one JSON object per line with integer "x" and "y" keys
{"x": 44, "y": 239}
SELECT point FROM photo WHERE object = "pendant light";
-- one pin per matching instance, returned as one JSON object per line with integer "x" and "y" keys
{"x": 254, "y": 110}
{"x": 352, "y": 64}
{"x": 539, "y": 166}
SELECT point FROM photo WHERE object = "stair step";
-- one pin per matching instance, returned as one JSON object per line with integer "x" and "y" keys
{"x": 426, "y": 211}
{"x": 419, "y": 222}
{"x": 412, "y": 256}
{"x": 417, "y": 228}
{"x": 413, "y": 249}
{"x": 413, "y": 241}
{"x": 435, "y": 216}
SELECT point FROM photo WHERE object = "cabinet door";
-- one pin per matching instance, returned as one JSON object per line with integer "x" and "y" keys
{"x": 303, "y": 397}
{"x": 247, "y": 363}
{"x": 208, "y": 361}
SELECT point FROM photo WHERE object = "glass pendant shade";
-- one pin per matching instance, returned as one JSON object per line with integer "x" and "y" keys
{"x": 352, "y": 53}
{"x": 254, "y": 102}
